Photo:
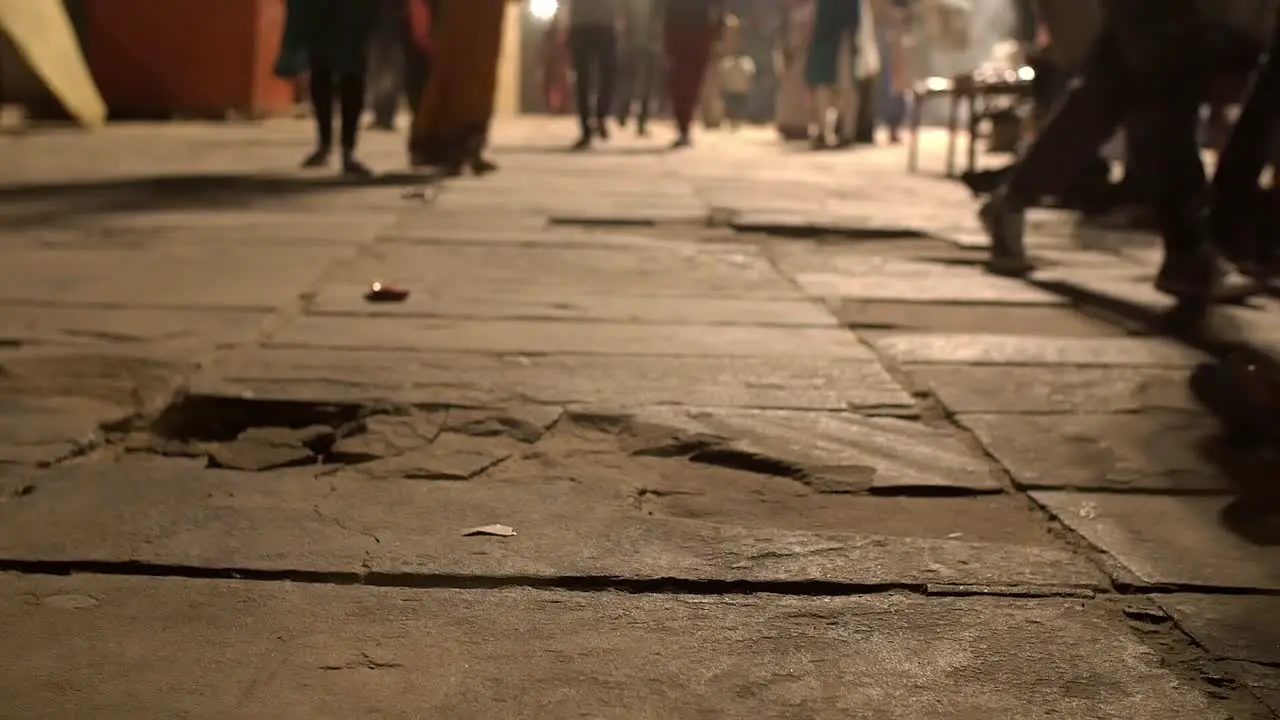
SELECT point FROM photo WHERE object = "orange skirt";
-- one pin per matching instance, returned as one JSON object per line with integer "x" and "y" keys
{"x": 457, "y": 105}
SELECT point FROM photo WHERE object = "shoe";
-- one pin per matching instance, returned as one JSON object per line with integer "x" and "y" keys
{"x": 583, "y": 143}
{"x": 682, "y": 142}
{"x": 318, "y": 159}
{"x": 353, "y": 168}
{"x": 602, "y": 129}
{"x": 1005, "y": 226}
{"x": 481, "y": 165}
{"x": 1198, "y": 275}
{"x": 642, "y": 128}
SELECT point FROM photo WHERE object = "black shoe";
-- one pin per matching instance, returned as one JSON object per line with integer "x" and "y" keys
{"x": 1201, "y": 276}
{"x": 1005, "y": 226}
{"x": 602, "y": 129}
{"x": 642, "y": 127}
{"x": 583, "y": 143}
{"x": 481, "y": 165}
{"x": 682, "y": 142}
{"x": 319, "y": 158}
{"x": 353, "y": 168}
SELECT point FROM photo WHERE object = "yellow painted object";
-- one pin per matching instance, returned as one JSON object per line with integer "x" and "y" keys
{"x": 43, "y": 34}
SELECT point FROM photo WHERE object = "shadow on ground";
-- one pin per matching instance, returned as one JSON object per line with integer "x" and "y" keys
{"x": 1240, "y": 386}
{"x": 45, "y": 204}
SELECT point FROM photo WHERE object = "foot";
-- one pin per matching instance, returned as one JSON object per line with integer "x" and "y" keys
{"x": 1197, "y": 276}
{"x": 481, "y": 165}
{"x": 353, "y": 168}
{"x": 583, "y": 143}
{"x": 642, "y": 128}
{"x": 682, "y": 142}
{"x": 895, "y": 137}
{"x": 1005, "y": 224}
{"x": 318, "y": 159}
{"x": 602, "y": 129}
{"x": 622, "y": 121}
{"x": 383, "y": 125}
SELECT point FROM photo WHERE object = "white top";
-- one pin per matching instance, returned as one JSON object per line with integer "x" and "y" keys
{"x": 736, "y": 74}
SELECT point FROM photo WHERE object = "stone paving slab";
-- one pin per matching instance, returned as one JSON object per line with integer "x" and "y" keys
{"x": 1019, "y": 389}
{"x": 1151, "y": 451}
{"x": 431, "y": 231}
{"x": 568, "y": 304}
{"x": 96, "y": 646}
{"x": 240, "y": 277}
{"x": 1230, "y": 628}
{"x": 689, "y": 272}
{"x": 171, "y": 513}
{"x": 550, "y": 337}
{"x": 924, "y": 289}
{"x": 1168, "y": 541}
{"x": 43, "y": 431}
{"x": 844, "y": 452}
{"x": 990, "y": 349}
{"x": 802, "y": 382}
{"x": 911, "y": 317}
{"x": 42, "y": 324}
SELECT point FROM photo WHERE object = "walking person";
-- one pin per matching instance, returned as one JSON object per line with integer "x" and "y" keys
{"x": 689, "y": 29}
{"x": 834, "y": 39}
{"x": 330, "y": 40}
{"x": 794, "y": 114}
{"x": 593, "y": 42}
{"x": 641, "y": 56}
{"x": 737, "y": 75}
{"x": 1143, "y": 64}
{"x": 451, "y": 129}
{"x": 1237, "y": 202}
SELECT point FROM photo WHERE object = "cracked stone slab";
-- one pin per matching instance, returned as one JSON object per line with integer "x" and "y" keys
{"x": 548, "y": 337}
{"x": 382, "y": 436}
{"x": 978, "y": 349}
{"x": 1016, "y": 389}
{"x": 527, "y": 423}
{"x": 1148, "y": 451}
{"x": 40, "y": 324}
{"x": 957, "y": 287}
{"x": 175, "y": 514}
{"x": 1262, "y": 680}
{"x": 267, "y": 448}
{"x": 45, "y": 430}
{"x": 1231, "y": 628}
{"x": 844, "y": 452}
{"x": 271, "y": 647}
{"x": 348, "y": 299}
{"x": 258, "y": 277}
{"x": 1168, "y": 541}
{"x": 450, "y": 456}
{"x": 433, "y": 378}
{"x": 475, "y": 271}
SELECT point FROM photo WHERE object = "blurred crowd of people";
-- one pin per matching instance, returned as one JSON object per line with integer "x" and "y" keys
{"x": 825, "y": 71}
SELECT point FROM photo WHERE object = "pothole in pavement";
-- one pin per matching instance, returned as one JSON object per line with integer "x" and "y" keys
{"x": 383, "y": 441}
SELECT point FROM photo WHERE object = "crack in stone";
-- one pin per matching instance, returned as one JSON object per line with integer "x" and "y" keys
{"x": 364, "y": 662}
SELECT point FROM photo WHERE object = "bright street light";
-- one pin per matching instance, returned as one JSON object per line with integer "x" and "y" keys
{"x": 544, "y": 9}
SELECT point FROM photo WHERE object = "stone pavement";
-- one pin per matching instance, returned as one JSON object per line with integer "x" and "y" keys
{"x": 741, "y": 432}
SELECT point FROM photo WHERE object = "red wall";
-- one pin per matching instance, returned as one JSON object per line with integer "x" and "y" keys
{"x": 201, "y": 58}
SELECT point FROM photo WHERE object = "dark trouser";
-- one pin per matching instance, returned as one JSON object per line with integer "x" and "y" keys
{"x": 1163, "y": 106}
{"x": 736, "y": 106}
{"x": 689, "y": 47}
{"x": 636, "y": 79}
{"x": 351, "y": 88}
{"x": 595, "y": 67}
{"x": 1236, "y": 196}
